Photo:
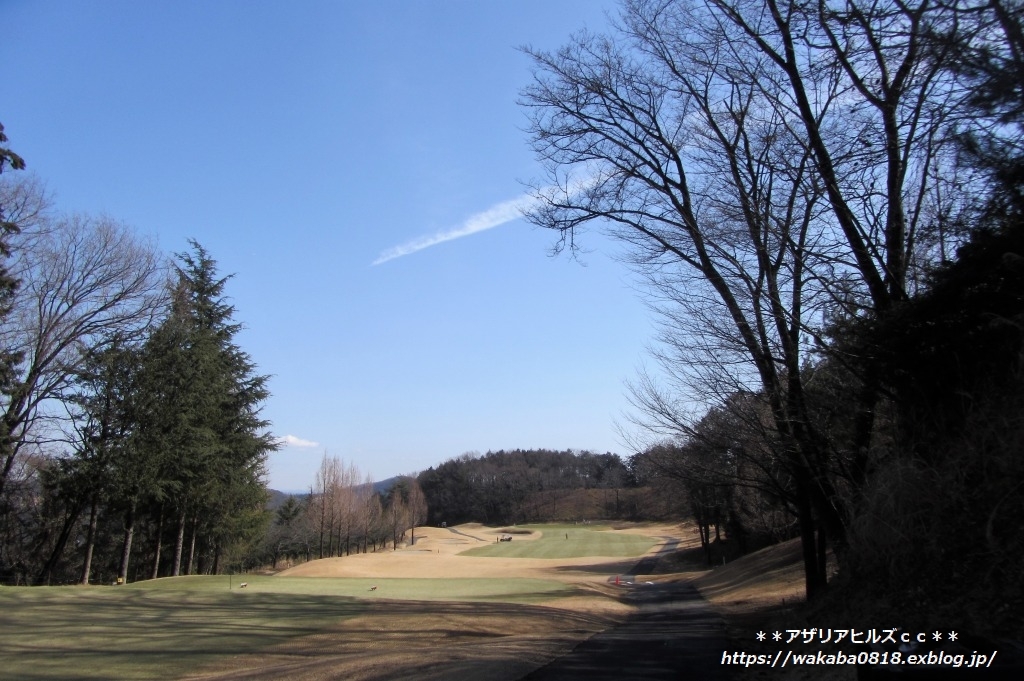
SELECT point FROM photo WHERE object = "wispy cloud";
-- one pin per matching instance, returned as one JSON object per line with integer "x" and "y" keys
{"x": 292, "y": 441}
{"x": 496, "y": 215}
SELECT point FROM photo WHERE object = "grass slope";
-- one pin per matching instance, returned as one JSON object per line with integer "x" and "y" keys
{"x": 165, "y": 628}
{"x": 568, "y": 541}
{"x": 149, "y": 633}
{"x": 185, "y": 626}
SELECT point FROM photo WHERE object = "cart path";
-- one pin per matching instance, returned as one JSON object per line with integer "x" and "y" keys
{"x": 674, "y": 635}
{"x": 471, "y": 536}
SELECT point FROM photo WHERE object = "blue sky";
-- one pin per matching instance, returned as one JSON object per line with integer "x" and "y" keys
{"x": 312, "y": 148}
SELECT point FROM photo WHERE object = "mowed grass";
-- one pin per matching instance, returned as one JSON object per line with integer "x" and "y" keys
{"x": 170, "y": 628}
{"x": 148, "y": 633}
{"x": 412, "y": 589}
{"x": 568, "y": 541}
{"x": 166, "y": 628}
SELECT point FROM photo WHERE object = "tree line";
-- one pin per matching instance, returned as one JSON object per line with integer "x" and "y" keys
{"x": 507, "y": 487}
{"x": 823, "y": 201}
{"x": 344, "y": 513}
{"x": 131, "y": 440}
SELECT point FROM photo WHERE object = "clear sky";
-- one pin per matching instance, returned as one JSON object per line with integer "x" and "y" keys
{"x": 357, "y": 166}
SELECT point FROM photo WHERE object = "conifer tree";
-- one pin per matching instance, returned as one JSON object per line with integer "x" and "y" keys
{"x": 90, "y": 477}
{"x": 206, "y": 396}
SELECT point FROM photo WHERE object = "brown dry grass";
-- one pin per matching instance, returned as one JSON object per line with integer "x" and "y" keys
{"x": 440, "y": 640}
{"x": 503, "y": 641}
{"x": 414, "y": 640}
{"x": 436, "y": 556}
{"x": 763, "y": 592}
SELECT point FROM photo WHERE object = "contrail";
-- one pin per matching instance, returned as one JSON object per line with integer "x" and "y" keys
{"x": 496, "y": 215}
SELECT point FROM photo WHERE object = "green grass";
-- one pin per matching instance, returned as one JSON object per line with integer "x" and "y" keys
{"x": 568, "y": 541}
{"x": 497, "y": 590}
{"x": 139, "y": 633}
{"x": 167, "y": 627}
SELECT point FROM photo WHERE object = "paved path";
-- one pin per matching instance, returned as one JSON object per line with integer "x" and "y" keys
{"x": 675, "y": 635}
{"x": 454, "y": 531}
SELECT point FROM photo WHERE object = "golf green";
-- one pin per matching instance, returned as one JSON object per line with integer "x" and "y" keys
{"x": 568, "y": 541}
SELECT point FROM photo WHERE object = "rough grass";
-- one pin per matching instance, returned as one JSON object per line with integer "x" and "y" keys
{"x": 166, "y": 627}
{"x": 497, "y": 628}
{"x": 568, "y": 541}
{"x": 499, "y": 590}
{"x": 149, "y": 633}
{"x": 765, "y": 591}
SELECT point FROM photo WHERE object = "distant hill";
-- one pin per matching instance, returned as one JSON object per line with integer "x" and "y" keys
{"x": 530, "y": 485}
{"x": 384, "y": 486}
{"x": 277, "y": 497}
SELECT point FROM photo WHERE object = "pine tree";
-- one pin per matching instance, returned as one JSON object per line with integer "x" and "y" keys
{"x": 92, "y": 475}
{"x": 206, "y": 396}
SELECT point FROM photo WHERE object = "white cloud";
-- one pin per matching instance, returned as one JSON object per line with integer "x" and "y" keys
{"x": 496, "y": 215}
{"x": 292, "y": 441}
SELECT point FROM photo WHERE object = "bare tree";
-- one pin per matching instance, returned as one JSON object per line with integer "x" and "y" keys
{"x": 339, "y": 506}
{"x": 768, "y": 165}
{"x": 373, "y": 520}
{"x": 367, "y": 512}
{"x": 322, "y": 507}
{"x": 347, "y": 500}
{"x": 396, "y": 514}
{"x": 25, "y": 205}
{"x": 83, "y": 280}
{"x": 416, "y": 502}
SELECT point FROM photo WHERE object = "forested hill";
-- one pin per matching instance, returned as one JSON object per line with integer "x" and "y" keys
{"x": 520, "y": 485}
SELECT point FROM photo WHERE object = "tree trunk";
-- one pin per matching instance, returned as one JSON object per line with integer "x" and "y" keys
{"x": 323, "y": 522}
{"x": 813, "y": 575}
{"x": 192, "y": 546}
{"x": 90, "y": 539}
{"x": 159, "y": 543}
{"x": 179, "y": 545}
{"x": 822, "y": 555}
{"x": 46, "y": 574}
{"x": 126, "y": 546}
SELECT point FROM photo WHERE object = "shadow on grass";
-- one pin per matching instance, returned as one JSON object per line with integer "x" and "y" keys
{"x": 122, "y": 634}
{"x": 611, "y": 569}
{"x": 424, "y": 640}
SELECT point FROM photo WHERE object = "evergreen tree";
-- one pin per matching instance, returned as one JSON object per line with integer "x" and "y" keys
{"x": 204, "y": 396}
{"x": 103, "y": 458}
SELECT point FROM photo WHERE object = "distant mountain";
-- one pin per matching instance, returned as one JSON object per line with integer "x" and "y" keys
{"x": 277, "y": 497}
{"x": 384, "y": 486}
